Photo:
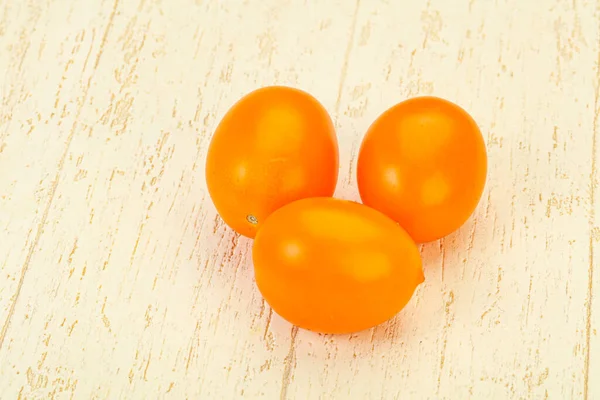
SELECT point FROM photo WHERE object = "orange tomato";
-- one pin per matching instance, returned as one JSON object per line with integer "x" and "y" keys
{"x": 275, "y": 145}
{"x": 423, "y": 163}
{"x": 335, "y": 266}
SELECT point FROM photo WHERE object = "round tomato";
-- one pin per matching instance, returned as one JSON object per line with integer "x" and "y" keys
{"x": 423, "y": 163}
{"x": 335, "y": 266}
{"x": 275, "y": 145}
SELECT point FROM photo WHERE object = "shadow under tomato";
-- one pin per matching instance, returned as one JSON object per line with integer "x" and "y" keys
{"x": 441, "y": 255}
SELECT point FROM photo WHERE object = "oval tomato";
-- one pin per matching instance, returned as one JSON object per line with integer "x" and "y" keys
{"x": 423, "y": 163}
{"x": 335, "y": 266}
{"x": 275, "y": 145}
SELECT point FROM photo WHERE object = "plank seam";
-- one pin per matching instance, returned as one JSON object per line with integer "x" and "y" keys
{"x": 588, "y": 324}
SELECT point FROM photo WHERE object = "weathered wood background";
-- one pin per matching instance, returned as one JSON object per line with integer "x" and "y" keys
{"x": 118, "y": 280}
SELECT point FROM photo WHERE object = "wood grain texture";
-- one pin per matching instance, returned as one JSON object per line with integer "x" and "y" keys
{"x": 592, "y": 361}
{"x": 38, "y": 119}
{"x": 118, "y": 279}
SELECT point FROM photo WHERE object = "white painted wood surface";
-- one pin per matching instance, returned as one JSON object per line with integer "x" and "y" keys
{"x": 118, "y": 280}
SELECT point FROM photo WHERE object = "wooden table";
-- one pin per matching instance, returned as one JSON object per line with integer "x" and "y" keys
{"x": 119, "y": 281}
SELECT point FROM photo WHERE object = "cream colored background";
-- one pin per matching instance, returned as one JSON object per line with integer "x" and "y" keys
{"x": 118, "y": 280}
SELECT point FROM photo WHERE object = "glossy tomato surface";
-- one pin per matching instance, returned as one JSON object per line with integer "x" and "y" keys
{"x": 423, "y": 163}
{"x": 335, "y": 266}
{"x": 275, "y": 145}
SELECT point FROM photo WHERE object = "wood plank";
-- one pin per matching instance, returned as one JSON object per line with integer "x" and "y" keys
{"x": 592, "y": 365}
{"x": 135, "y": 281}
{"x": 503, "y": 310}
{"x": 47, "y": 59}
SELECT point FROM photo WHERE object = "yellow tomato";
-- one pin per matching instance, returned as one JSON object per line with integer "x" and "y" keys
{"x": 423, "y": 163}
{"x": 274, "y": 146}
{"x": 335, "y": 266}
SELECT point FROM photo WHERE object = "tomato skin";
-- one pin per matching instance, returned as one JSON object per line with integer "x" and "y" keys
{"x": 423, "y": 163}
{"x": 275, "y": 145}
{"x": 335, "y": 266}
